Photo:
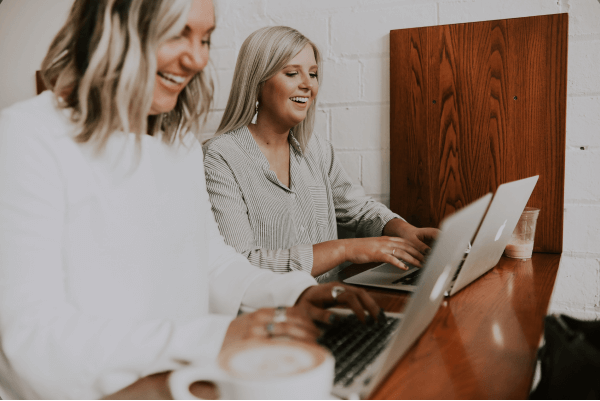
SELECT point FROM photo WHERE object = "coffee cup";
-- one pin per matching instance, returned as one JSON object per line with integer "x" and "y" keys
{"x": 262, "y": 369}
{"x": 520, "y": 245}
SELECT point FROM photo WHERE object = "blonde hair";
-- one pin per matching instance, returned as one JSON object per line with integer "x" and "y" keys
{"x": 102, "y": 65}
{"x": 262, "y": 55}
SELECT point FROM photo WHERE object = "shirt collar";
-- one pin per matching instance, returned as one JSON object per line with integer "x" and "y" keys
{"x": 295, "y": 144}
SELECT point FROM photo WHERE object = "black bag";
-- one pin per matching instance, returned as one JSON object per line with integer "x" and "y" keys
{"x": 569, "y": 359}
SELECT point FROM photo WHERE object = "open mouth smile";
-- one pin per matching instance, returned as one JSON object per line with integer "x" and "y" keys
{"x": 171, "y": 78}
{"x": 298, "y": 99}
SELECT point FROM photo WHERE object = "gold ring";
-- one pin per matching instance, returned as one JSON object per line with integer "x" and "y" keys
{"x": 270, "y": 329}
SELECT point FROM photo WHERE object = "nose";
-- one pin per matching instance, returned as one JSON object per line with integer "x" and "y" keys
{"x": 196, "y": 56}
{"x": 306, "y": 82}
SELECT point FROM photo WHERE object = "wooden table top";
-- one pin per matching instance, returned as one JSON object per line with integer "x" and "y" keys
{"x": 483, "y": 341}
{"x": 481, "y": 344}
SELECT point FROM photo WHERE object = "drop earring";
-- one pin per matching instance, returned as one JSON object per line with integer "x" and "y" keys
{"x": 255, "y": 114}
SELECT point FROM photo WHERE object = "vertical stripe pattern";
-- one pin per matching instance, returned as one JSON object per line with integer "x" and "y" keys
{"x": 275, "y": 226}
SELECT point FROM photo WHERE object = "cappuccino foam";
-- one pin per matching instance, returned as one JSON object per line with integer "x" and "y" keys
{"x": 271, "y": 359}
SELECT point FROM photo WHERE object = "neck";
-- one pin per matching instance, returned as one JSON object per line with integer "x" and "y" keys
{"x": 270, "y": 135}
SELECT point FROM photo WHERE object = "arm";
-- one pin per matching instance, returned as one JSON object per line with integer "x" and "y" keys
{"x": 360, "y": 213}
{"x": 231, "y": 214}
{"x": 54, "y": 349}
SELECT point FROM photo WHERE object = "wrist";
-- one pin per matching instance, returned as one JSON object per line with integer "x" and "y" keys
{"x": 345, "y": 249}
{"x": 396, "y": 228}
{"x": 299, "y": 299}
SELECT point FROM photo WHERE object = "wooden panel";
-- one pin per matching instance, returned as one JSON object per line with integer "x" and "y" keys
{"x": 474, "y": 106}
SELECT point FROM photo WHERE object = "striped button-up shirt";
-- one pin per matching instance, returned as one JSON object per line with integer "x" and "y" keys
{"x": 275, "y": 226}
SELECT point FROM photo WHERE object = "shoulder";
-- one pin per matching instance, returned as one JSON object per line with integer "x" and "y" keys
{"x": 39, "y": 116}
{"x": 319, "y": 149}
{"x": 223, "y": 144}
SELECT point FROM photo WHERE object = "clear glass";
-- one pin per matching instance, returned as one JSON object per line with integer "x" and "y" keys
{"x": 521, "y": 243}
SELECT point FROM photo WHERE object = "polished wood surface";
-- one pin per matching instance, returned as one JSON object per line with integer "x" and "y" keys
{"x": 476, "y": 105}
{"x": 481, "y": 344}
{"x": 483, "y": 341}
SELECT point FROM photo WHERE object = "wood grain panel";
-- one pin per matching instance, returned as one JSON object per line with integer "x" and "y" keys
{"x": 474, "y": 106}
{"x": 483, "y": 341}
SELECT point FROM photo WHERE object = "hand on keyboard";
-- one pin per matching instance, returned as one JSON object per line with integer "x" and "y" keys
{"x": 316, "y": 299}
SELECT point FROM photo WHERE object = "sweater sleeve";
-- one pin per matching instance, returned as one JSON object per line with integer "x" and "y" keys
{"x": 54, "y": 349}
{"x": 231, "y": 214}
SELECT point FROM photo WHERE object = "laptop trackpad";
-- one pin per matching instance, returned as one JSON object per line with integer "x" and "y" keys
{"x": 388, "y": 268}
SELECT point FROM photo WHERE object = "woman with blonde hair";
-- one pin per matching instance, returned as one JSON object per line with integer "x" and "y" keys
{"x": 278, "y": 192}
{"x": 111, "y": 264}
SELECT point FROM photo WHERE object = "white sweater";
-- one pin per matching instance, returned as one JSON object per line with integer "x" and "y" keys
{"x": 111, "y": 267}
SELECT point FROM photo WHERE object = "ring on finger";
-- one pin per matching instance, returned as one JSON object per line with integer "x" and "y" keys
{"x": 280, "y": 315}
{"x": 393, "y": 252}
{"x": 336, "y": 291}
{"x": 270, "y": 327}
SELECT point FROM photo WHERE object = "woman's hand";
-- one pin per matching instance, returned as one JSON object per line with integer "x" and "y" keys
{"x": 420, "y": 238}
{"x": 314, "y": 301}
{"x": 382, "y": 249}
{"x": 298, "y": 325}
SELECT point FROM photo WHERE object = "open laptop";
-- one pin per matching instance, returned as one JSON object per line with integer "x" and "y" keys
{"x": 493, "y": 235}
{"x": 360, "y": 365}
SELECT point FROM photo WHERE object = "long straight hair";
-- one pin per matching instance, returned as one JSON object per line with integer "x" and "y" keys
{"x": 102, "y": 65}
{"x": 262, "y": 55}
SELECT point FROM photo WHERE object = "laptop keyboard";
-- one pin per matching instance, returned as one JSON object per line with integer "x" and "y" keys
{"x": 355, "y": 345}
{"x": 409, "y": 279}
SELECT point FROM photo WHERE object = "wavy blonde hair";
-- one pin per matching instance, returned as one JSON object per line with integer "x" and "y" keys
{"x": 262, "y": 55}
{"x": 102, "y": 65}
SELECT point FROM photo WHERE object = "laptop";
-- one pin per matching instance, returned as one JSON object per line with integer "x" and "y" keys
{"x": 363, "y": 362}
{"x": 491, "y": 239}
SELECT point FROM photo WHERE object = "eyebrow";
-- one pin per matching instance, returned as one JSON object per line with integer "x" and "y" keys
{"x": 188, "y": 29}
{"x": 299, "y": 66}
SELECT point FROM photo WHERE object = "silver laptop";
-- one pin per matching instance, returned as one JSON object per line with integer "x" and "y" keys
{"x": 368, "y": 366}
{"x": 491, "y": 239}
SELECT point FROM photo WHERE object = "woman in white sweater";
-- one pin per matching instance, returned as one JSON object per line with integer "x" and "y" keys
{"x": 111, "y": 264}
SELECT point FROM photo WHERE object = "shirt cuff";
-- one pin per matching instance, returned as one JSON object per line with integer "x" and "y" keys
{"x": 270, "y": 290}
{"x": 301, "y": 258}
{"x": 376, "y": 225}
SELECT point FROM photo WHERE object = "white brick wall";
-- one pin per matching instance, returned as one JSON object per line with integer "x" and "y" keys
{"x": 353, "y": 36}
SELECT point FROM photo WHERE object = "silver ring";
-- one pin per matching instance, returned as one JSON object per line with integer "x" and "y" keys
{"x": 336, "y": 291}
{"x": 280, "y": 315}
{"x": 393, "y": 252}
{"x": 270, "y": 329}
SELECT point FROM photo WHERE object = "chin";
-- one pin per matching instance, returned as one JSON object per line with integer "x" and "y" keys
{"x": 162, "y": 107}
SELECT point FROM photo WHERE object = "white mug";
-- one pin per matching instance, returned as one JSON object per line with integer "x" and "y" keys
{"x": 262, "y": 369}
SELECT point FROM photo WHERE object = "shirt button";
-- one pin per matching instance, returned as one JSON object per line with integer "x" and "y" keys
{"x": 302, "y": 228}
{"x": 293, "y": 195}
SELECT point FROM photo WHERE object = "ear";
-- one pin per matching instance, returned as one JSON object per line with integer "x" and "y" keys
{"x": 259, "y": 91}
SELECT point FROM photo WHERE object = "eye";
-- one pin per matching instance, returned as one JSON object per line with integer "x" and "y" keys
{"x": 314, "y": 75}
{"x": 206, "y": 41}
{"x": 291, "y": 74}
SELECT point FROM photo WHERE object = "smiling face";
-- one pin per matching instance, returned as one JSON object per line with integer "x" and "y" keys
{"x": 286, "y": 97}
{"x": 180, "y": 58}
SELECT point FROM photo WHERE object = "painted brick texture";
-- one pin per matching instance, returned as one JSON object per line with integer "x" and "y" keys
{"x": 353, "y": 36}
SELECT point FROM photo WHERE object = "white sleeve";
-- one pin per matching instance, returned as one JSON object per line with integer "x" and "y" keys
{"x": 54, "y": 349}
